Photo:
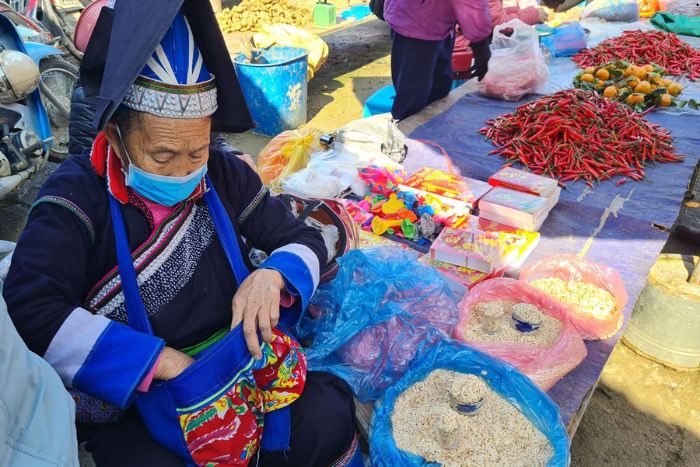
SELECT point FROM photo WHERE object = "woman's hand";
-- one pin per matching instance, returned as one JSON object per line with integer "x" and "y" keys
{"x": 257, "y": 304}
{"x": 171, "y": 364}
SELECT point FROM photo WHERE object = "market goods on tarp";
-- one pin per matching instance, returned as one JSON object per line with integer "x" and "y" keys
{"x": 499, "y": 434}
{"x": 546, "y": 354}
{"x": 547, "y": 136}
{"x": 640, "y": 87}
{"x": 252, "y": 15}
{"x": 593, "y": 294}
{"x": 662, "y": 49}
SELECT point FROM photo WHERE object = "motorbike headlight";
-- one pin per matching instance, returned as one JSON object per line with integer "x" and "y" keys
{"x": 19, "y": 76}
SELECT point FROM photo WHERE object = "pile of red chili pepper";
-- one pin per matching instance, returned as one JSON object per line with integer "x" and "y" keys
{"x": 645, "y": 47}
{"x": 577, "y": 135}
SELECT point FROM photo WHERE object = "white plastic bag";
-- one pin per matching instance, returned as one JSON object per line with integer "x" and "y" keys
{"x": 328, "y": 175}
{"x": 623, "y": 11}
{"x": 517, "y": 66}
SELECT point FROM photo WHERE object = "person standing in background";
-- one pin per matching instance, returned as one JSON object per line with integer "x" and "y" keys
{"x": 423, "y": 41}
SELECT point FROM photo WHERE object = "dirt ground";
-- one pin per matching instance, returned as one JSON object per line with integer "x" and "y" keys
{"x": 641, "y": 414}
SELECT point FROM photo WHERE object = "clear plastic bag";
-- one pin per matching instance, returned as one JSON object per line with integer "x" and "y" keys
{"x": 544, "y": 365}
{"x": 517, "y": 66}
{"x": 328, "y": 175}
{"x": 503, "y": 378}
{"x": 623, "y": 11}
{"x": 566, "y": 40}
{"x": 382, "y": 310}
{"x": 572, "y": 268}
{"x": 287, "y": 153}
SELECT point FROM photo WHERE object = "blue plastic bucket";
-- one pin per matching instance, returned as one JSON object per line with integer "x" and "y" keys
{"x": 275, "y": 91}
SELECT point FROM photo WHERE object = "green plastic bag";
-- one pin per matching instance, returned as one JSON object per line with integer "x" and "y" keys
{"x": 679, "y": 24}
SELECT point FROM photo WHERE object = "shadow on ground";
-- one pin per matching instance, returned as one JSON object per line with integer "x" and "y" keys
{"x": 616, "y": 433}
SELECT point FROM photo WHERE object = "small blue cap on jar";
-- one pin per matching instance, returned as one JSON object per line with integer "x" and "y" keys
{"x": 524, "y": 326}
{"x": 526, "y": 317}
{"x": 467, "y": 409}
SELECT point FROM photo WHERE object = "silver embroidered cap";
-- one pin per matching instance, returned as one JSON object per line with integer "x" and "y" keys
{"x": 175, "y": 82}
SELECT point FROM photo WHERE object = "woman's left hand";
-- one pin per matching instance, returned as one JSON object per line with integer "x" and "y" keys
{"x": 257, "y": 304}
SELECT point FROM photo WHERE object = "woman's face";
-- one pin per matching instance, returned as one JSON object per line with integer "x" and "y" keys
{"x": 164, "y": 146}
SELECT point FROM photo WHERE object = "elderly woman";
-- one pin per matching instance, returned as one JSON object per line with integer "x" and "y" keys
{"x": 132, "y": 278}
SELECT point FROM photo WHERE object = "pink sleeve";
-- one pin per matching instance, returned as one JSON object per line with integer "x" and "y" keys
{"x": 500, "y": 15}
{"x": 528, "y": 15}
{"x": 146, "y": 382}
{"x": 474, "y": 18}
{"x": 287, "y": 299}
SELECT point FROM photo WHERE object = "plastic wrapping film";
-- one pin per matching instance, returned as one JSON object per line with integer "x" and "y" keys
{"x": 517, "y": 66}
{"x": 501, "y": 377}
{"x": 572, "y": 268}
{"x": 286, "y": 153}
{"x": 544, "y": 365}
{"x": 380, "y": 312}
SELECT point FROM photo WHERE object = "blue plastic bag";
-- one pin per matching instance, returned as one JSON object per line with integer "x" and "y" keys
{"x": 503, "y": 378}
{"x": 381, "y": 311}
{"x": 566, "y": 40}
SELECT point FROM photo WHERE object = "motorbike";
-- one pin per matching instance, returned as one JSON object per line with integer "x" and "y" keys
{"x": 25, "y": 128}
{"x": 58, "y": 75}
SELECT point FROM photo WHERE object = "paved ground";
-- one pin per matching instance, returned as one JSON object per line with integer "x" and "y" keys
{"x": 642, "y": 414}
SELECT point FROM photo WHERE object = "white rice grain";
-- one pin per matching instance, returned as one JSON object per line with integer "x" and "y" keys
{"x": 499, "y": 435}
{"x": 545, "y": 336}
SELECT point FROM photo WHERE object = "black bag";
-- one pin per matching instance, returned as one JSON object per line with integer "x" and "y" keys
{"x": 377, "y": 7}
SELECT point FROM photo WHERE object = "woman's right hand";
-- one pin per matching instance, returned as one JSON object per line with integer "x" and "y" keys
{"x": 171, "y": 364}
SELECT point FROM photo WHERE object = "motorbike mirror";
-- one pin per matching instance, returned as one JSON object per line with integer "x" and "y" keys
{"x": 19, "y": 76}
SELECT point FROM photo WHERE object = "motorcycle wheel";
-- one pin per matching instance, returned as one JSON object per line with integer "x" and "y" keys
{"x": 59, "y": 76}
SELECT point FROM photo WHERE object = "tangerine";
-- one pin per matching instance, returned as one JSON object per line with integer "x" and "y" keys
{"x": 590, "y": 69}
{"x": 675, "y": 89}
{"x": 643, "y": 87}
{"x": 602, "y": 74}
{"x": 665, "y": 100}
{"x": 587, "y": 78}
{"x": 610, "y": 92}
{"x": 648, "y": 68}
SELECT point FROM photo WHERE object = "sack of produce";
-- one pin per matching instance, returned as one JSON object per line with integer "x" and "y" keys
{"x": 287, "y": 153}
{"x": 594, "y": 294}
{"x": 566, "y": 40}
{"x": 517, "y": 66}
{"x": 623, "y": 11}
{"x": 680, "y": 7}
{"x": 286, "y": 35}
{"x": 546, "y": 348}
{"x": 456, "y": 406}
{"x": 382, "y": 310}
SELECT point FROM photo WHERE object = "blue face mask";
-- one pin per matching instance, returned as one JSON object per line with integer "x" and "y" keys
{"x": 161, "y": 189}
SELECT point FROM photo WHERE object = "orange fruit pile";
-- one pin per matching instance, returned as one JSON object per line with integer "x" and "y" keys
{"x": 640, "y": 87}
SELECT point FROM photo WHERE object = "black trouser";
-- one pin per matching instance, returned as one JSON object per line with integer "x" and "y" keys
{"x": 323, "y": 428}
{"x": 421, "y": 71}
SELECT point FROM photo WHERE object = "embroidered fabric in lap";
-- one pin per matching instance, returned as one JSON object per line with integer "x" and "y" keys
{"x": 281, "y": 374}
{"x": 228, "y": 430}
{"x": 164, "y": 268}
